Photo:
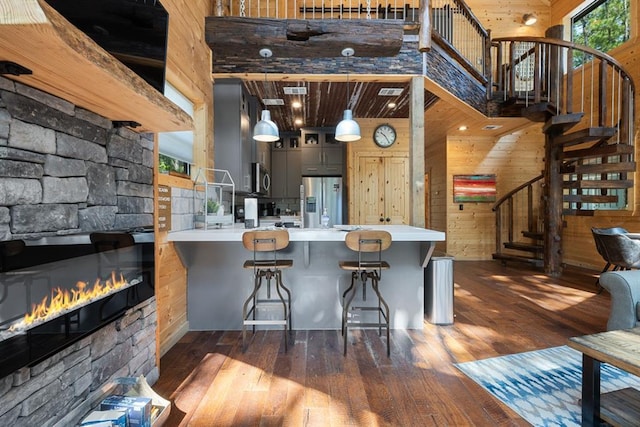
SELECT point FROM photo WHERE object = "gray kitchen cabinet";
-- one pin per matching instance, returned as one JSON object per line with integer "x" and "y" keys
{"x": 286, "y": 175}
{"x": 321, "y": 153}
{"x": 234, "y": 146}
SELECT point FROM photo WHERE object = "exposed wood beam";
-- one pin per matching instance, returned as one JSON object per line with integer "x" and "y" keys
{"x": 298, "y": 38}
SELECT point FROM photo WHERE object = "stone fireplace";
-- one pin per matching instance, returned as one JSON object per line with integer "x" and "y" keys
{"x": 65, "y": 174}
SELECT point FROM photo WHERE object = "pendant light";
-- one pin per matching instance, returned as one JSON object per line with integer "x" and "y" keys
{"x": 266, "y": 130}
{"x": 348, "y": 129}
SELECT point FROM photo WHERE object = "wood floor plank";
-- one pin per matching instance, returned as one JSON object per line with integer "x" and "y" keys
{"x": 499, "y": 310}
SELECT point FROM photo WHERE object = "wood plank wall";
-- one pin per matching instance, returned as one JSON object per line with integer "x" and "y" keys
{"x": 514, "y": 159}
{"x": 188, "y": 70}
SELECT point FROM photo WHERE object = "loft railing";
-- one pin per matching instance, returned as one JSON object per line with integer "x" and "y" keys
{"x": 407, "y": 10}
{"x": 569, "y": 77}
{"x": 456, "y": 27}
{"x": 451, "y": 22}
{"x": 519, "y": 211}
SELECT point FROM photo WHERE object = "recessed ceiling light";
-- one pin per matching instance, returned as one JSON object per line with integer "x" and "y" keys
{"x": 392, "y": 105}
{"x": 463, "y": 127}
{"x": 296, "y": 104}
{"x": 298, "y": 122}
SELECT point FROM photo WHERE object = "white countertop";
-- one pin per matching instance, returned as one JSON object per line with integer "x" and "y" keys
{"x": 399, "y": 233}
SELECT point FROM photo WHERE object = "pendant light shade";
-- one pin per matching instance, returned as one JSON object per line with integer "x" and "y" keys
{"x": 266, "y": 130}
{"x": 348, "y": 130}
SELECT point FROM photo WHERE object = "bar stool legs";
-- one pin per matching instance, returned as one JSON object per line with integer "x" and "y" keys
{"x": 382, "y": 308}
{"x": 252, "y": 304}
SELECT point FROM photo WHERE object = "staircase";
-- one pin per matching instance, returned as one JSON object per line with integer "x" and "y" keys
{"x": 588, "y": 119}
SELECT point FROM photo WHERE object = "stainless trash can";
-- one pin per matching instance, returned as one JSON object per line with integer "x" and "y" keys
{"x": 438, "y": 287}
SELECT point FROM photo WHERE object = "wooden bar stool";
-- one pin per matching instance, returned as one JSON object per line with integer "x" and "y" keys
{"x": 264, "y": 244}
{"x": 366, "y": 242}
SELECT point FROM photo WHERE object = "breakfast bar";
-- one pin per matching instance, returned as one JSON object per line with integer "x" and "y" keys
{"x": 218, "y": 285}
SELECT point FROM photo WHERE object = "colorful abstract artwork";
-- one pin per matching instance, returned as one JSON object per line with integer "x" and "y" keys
{"x": 474, "y": 188}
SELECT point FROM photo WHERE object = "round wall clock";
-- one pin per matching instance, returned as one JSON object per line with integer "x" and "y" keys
{"x": 384, "y": 136}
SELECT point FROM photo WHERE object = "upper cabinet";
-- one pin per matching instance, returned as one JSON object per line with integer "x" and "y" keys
{"x": 321, "y": 153}
{"x": 232, "y": 126}
{"x": 66, "y": 63}
{"x": 286, "y": 174}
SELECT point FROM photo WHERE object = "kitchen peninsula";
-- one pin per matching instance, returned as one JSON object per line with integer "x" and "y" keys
{"x": 218, "y": 285}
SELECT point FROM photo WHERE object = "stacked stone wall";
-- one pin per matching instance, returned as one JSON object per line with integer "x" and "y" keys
{"x": 60, "y": 390}
{"x": 64, "y": 169}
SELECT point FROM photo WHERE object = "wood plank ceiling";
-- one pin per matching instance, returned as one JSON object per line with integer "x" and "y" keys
{"x": 325, "y": 101}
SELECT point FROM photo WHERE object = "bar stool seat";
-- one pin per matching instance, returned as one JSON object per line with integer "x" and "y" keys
{"x": 265, "y": 265}
{"x": 365, "y": 269}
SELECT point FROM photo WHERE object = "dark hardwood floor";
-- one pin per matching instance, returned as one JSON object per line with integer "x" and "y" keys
{"x": 499, "y": 310}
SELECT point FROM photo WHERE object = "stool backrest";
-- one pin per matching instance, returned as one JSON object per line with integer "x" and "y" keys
{"x": 265, "y": 240}
{"x": 368, "y": 240}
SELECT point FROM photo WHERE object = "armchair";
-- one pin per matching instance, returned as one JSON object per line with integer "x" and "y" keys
{"x": 624, "y": 287}
{"x": 622, "y": 251}
{"x": 600, "y": 245}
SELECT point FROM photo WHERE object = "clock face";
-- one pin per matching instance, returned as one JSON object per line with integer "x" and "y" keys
{"x": 384, "y": 135}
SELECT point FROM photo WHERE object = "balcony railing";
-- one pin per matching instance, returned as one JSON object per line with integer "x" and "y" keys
{"x": 321, "y": 9}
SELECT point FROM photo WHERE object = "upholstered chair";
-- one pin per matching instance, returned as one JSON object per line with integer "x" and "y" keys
{"x": 624, "y": 287}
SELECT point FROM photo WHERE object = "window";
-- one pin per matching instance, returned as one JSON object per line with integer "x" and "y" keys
{"x": 169, "y": 164}
{"x": 603, "y": 25}
{"x": 176, "y": 148}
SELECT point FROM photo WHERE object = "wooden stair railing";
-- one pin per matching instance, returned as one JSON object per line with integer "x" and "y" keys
{"x": 536, "y": 78}
{"x": 519, "y": 210}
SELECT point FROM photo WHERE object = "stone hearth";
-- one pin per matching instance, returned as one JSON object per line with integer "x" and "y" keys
{"x": 59, "y": 390}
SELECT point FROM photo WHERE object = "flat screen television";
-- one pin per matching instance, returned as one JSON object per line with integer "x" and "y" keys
{"x": 133, "y": 31}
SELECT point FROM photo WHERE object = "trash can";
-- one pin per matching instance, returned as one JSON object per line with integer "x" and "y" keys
{"x": 438, "y": 290}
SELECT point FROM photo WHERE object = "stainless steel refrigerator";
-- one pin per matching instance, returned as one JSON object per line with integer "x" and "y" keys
{"x": 319, "y": 193}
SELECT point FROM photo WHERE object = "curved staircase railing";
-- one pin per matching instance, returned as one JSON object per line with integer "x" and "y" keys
{"x": 585, "y": 99}
{"x": 566, "y": 78}
{"x": 518, "y": 211}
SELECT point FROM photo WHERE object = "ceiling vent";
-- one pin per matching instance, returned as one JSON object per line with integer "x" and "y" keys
{"x": 390, "y": 91}
{"x": 295, "y": 90}
{"x": 273, "y": 101}
{"x": 491, "y": 127}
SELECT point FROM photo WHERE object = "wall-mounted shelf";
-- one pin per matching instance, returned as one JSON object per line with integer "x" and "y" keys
{"x": 68, "y": 64}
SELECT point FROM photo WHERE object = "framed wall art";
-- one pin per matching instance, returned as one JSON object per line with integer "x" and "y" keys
{"x": 474, "y": 188}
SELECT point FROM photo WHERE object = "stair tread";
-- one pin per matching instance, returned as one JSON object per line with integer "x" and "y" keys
{"x": 561, "y": 123}
{"x": 533, "y": 235}
{"x": 599, "y": 184}
{"x": 581, "y": 136}
{"x": 618, "y": 167}
{"x": 599, "y": 151}
{"x": 589, "y": 198}
{"x": 507, "y": 257}
{"x": 523, "y": 246}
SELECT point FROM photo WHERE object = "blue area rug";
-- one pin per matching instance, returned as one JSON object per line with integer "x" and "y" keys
{"x": 544, "y": 386}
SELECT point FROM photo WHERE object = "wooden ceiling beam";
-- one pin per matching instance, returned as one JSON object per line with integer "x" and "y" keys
{"x": 298, "y": 38}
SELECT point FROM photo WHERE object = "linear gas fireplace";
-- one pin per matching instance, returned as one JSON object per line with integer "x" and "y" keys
{"x": 56, "y": 290}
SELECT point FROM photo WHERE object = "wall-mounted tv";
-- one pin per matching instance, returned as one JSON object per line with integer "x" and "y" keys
{"x": 133, "y": 31}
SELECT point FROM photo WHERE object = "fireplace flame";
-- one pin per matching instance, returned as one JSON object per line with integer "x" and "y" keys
{"x": 63, "y": 300}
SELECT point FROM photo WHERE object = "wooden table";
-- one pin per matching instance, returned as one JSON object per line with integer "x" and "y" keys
{"x": 619, "y": 348}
